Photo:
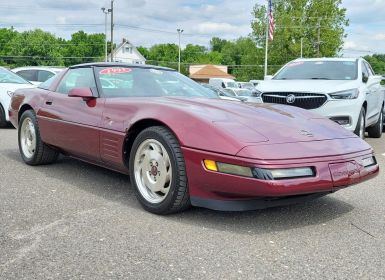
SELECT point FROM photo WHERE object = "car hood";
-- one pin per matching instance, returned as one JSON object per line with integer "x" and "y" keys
{"x": 316, "y": 86}
{"x": 12, "y": 87}
{"x": 261, "y": 123}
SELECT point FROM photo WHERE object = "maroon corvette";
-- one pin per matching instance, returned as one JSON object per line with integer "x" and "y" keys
{"x": 180, "y": 145}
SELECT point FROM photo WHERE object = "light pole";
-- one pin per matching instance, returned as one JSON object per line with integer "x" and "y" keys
{"x": 112, "y": 30}
{"x": 105, "y": 12}
{"x": 180, "y": 31}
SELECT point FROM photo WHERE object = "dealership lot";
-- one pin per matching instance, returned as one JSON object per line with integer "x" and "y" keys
{"x": 72, "y": 220}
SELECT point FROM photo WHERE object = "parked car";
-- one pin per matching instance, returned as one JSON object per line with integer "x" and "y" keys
{"x": 246, "y": 85}
{"x": 223, "y": 83}
{"x": 181, "y": 148}
{"x": 344, "y": 90}
{"x": 223, "y": 94}
{"x": 37, "y": 74}
{"x": 9, "y": 82}
{"x": 232, "y": 87}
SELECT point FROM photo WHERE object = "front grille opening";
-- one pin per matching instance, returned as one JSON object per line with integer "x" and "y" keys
{"x": 298, "y": 99}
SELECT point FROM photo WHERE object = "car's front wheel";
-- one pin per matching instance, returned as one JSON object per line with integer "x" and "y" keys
{"x": 375, "y": 131}
{"x": 32, "y": 149}
{"x": 3, "y": 121}
{"x": 360, "y": 128}
{"x": 158, "y": 171}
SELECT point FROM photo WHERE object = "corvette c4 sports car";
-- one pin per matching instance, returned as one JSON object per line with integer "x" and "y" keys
{"x": 182, "y": 146}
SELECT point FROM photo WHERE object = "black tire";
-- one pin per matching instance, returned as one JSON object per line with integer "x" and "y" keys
{"x": 177, "y": 198}
{"x": 42, "y": 154}
{"x": 375, "y": 131}
{"x": 360, "y": 128}
{"x": 3, "y": 121}
{"x": 383, "y": 120}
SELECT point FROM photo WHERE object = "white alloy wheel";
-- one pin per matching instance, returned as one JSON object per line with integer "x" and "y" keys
{"x": 28, "y": 138}
{"x": 152, "y": 171}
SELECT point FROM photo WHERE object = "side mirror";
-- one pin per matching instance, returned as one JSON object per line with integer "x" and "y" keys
{"x": 84, "y": 93}
{"x": 364, "y": 78}
{"x": 268, "y": 77}
{"x": 382, "y": 81}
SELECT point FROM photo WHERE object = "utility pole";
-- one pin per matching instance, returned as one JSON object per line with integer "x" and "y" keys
{"x": 112, "y": 30}
{"x": 301, "y": 47}
{"x": 180, "y": 31}
{"x": 105, "y": 12}
{"x": 318, "y": 36}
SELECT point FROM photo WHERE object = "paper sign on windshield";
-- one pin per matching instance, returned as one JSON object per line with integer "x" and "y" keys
{"x": 115, "y": 70}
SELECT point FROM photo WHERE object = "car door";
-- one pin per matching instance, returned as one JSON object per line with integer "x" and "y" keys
{"x": 72, "y": 123}
{"x": 371, "y": 94}
{"x": 377, "y": 91}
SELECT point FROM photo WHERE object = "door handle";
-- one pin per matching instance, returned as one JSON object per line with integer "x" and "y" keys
{"x": 48, "y": 102}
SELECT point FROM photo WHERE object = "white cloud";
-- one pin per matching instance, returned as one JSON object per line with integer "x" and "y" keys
{"x": 380, "y": 36}
{"x": 350, "y": 45}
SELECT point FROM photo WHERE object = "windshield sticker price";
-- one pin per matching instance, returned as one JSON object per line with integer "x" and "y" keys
{"x": 114, "y": 70}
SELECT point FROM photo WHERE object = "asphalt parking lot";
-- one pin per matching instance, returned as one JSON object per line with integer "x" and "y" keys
{"x": 72, "y": 220}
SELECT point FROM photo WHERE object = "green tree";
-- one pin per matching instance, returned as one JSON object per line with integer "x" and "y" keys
{"x": 84, "y": 48}
{"x": 377, "y": 61}
{"x": 35, "y": 47}
{"x": 321, "y": 25}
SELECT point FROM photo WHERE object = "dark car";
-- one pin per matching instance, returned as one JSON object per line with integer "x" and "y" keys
{"x": 181, "y": 147}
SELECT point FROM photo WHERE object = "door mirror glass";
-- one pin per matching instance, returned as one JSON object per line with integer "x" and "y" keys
{"x": 84, "y": 93}
{"x": 364, "y": 78}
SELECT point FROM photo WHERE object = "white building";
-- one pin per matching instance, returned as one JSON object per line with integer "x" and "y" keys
{"x": 127, "y": 53}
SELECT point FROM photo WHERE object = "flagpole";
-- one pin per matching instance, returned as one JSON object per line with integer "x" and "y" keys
{"x": 267, "y": 36}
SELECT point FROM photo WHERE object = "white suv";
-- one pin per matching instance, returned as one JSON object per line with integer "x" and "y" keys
{"x": 344, "y": 90}
{"x": 9, "y": 82}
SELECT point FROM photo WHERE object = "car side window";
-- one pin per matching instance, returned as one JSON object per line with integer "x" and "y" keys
{"x": 77, "y": 78}
{"x": 43, "y": 75}
{"x": 365, "y": 72}
{"x": 371, "y": 72}
{"x": 29, "y": 75}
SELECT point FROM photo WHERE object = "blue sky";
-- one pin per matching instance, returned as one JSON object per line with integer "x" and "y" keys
{"x": 201, "y": 20}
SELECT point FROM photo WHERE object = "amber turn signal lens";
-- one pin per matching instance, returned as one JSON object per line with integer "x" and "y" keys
{"x": 210, "y": 165}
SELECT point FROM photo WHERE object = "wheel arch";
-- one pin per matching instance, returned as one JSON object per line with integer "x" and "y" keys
{"x": 134, "y": 131}
{"x": 23, "y": 108}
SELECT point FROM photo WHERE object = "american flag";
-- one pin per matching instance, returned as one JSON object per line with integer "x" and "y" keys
{"x": 271, "y": 21}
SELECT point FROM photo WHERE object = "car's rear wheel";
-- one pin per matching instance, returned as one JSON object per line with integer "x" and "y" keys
{"x": 375, "y": 131}
{"x": 158, "y": 171}
{"x": 32, "y": 149}
{"x": 360, "y": 128}
{"x": 3, "y": 121}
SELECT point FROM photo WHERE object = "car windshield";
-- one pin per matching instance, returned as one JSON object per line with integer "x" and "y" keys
{"x": 231, "y": 85}
{"x": 247, "y": 85}
{"x": 244, "y": 92}
{"x": 47, "y": 84}
{"x": 137, "y": 82}
{"x": 230, "y": 92}
{"x": 318, "y": 70}
{"x": 11, "y": 78}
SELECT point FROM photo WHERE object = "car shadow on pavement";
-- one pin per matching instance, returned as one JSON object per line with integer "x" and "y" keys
{"x": 315, "y": 212}
{"x": 113, "y": 186}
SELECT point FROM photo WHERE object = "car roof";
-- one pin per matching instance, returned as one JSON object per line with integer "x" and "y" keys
{"x": 327, "y": 59}
{"x": 120, "y": 64}
{"x": 49, "y": 68}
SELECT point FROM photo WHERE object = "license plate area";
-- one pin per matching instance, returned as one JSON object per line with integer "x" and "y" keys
{"x": 345, "y": 173}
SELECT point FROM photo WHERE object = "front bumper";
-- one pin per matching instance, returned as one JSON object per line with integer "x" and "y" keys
{"x": 342, "y": 108}
{"x": 227, "y": 192}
